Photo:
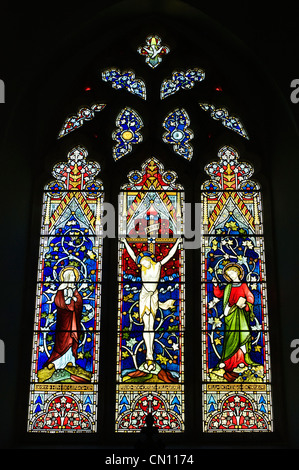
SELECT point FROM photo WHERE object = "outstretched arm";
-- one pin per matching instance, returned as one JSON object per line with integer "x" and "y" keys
{"x": 129, "y": 249}
{"x": 171, "y": 252}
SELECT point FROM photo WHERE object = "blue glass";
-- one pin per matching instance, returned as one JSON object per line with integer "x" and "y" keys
{"x": 181, "y": 80}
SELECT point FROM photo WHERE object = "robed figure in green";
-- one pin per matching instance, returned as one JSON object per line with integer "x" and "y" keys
{"x": 238, "y": 303}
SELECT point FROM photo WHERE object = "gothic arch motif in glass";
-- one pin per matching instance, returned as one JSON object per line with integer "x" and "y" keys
{"x": 65, "y": 359}
{"x": 235, "y": 329}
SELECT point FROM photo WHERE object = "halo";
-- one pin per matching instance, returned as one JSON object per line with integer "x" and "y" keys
{"x": 235, "y": 265}
{"x": 68, "y": 268}
{"x": 146, "y": 254}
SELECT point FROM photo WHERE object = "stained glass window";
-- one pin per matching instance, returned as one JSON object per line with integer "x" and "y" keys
{"x": 127, "y": 133}
{"x": 65, "y": 360}
{"x": 178, "y": 133}
{"x": 181, "y": 81}
{"x": 235, "y": 328}
{"x": 125, "y": 80}
{"x": 150, "y": 364}
{"x": 75, "y": 121}
{"x": 221, "y": 114}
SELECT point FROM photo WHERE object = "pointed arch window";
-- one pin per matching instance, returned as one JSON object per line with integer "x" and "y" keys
{"x": 65, "y": 360}
{"x": 236, "y": 378}
{"x": 150, "y": 366}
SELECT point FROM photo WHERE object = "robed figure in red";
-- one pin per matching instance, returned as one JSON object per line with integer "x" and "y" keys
{"x": 69, "y": 306}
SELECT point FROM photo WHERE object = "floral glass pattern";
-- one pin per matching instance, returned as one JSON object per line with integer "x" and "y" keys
{"x": 125, "y": 80}
{"x": 127, "y": 133}
{"x": 181, "y": 81}
{"x": 153, "y": 50}
{"x": 77, "y": 120}
{"x": 178, "y": 133}
{"x": 231, "y": 122}
{"x": 64, "y": 376}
